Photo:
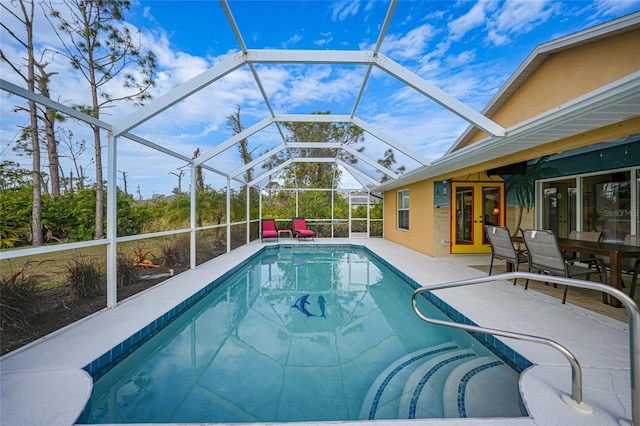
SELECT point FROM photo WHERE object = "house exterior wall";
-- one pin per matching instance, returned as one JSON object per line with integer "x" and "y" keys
{"x": 566, "y": 75}
{"x": 419, "y": 237}
{"x": 562, "y": 77}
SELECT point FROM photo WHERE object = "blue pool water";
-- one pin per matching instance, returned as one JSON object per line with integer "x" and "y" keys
{"x": 304, "y": 334}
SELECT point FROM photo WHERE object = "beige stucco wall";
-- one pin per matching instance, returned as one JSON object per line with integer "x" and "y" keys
{"x": 419, "y": 237}
{"x": 429, "y": 225}
{"x": 569, "y": 74}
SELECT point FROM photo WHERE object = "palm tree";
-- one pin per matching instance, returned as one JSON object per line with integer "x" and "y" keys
{"x": 524, "y": 189}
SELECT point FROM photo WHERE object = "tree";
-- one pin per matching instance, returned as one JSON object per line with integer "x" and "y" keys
{"x": 48, "y": 117}
{"x": 199, "y": 175}
{"x": 75, "y": 150}
{"x": 316, "y": 175}
{"x": 389, "y": 161}
{"x": 179, "y": 174}
{"x": 524, "y": 186}
{"x": 29, "y": 76}
{"x": 124, "y": 181}
{"x": 100, "y": 47}
{"x": 12, "y": 175}
{"x": 235, "y": 124}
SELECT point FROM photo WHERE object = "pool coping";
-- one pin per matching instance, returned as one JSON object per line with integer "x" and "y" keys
{"x": 44, "y": 383}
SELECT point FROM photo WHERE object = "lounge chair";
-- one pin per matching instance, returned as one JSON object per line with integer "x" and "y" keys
{"x": 300, "y": 230}
{"x": 546, "y": 257}
{"x": 502, "y": 248}
{"x": 269, "y": 229}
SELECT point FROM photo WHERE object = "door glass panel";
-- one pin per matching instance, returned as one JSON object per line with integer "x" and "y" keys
{"x": 559, "y": 207}
{"x": 490, "y": 208}
{"x": 607, "y": 205}
{"x": 464, "y": 215}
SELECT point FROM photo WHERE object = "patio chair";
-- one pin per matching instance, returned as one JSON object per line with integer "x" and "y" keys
{"x": 583, "y": 236}
{"x": 269, "y": 229}
{"x": 300, "y": 230}
{"x": 629, "y": 266}
{"x": 632, "y": 240}
{"x": 502, "y": 248}
{"x": 545, "y": 256}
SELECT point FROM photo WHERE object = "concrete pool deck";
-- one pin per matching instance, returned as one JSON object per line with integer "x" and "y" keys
{"x": 43, "y": 382}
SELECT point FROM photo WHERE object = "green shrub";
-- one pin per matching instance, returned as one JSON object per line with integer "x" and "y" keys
{"x": 18, "y": 292}
{"x": 15, "y": 215}
{"x": 84, "y": 276}
{"x": 127, "y": 272}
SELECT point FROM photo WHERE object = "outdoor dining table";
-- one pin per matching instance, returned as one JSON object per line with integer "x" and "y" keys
{"x": 615, "y": 253}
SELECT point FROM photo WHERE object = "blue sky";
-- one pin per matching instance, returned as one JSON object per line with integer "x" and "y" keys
{"x": 467, "y": 48}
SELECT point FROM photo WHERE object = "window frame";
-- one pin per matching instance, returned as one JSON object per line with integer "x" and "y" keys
{"x": 402, "y": 209}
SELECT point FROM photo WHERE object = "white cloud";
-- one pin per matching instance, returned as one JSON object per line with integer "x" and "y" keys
{"x": 616, "y": 7}
{"x": 342, "y": 10}
{"x": 305, "y": 85}
{"x": 475, "y": 18}
{"x": 410, "y": 45}
{"x": 519, "y": 17}
{"x": 293, "y": 40}
{"x": 463, "y": 58}
{"x": 326, "y": 39}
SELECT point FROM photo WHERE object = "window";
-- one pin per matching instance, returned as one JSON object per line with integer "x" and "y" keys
{"x": 592, "y": 202}
{"x": 559, "y": 207}
{"x": 403, "y": 209}
{"x": 606, "y": 201}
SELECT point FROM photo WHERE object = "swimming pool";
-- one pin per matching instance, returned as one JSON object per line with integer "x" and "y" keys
{"x": 300, "y": 334}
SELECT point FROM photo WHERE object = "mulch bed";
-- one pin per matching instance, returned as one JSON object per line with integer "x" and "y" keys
{"x": 56, "y": 308}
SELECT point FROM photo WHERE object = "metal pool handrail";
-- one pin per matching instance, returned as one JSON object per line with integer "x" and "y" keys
{"x": 575, "y": 400}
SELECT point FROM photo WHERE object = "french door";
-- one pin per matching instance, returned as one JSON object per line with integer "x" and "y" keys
{"x": 475, "y": 204}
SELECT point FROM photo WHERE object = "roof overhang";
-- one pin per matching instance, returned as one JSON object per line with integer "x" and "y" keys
{"x": 610, "y": 104}
{"x": 539, "y": 55}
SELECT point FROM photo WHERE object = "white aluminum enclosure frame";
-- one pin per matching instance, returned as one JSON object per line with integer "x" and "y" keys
{"x": 607, "y": 105}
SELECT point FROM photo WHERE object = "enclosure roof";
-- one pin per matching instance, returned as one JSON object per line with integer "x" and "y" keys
{"x": 367, "y": 170}
{"x": 276, "y": 149}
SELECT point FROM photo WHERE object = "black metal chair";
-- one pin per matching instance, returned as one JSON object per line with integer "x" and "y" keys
{"x": 545, "y": 256}
{"x": 502, "y": 248}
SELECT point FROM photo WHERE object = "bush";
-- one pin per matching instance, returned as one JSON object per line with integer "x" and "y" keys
{"x": 127, "y": 272}
{"x": 15, "y": 213}
{"x": 18, "y": 292}
{"x": 84, "y": 276}
{"x": 174, "y": 253}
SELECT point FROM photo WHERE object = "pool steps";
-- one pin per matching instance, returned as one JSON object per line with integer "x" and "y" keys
{"x": 434, "y": 383}
{"x": 484, "y": 387}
